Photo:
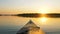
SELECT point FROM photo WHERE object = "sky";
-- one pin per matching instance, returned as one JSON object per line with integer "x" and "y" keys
{"x": 27, "y": 6}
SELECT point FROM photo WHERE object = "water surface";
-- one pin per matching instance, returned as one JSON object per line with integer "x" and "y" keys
{"x": 11, "y": 24}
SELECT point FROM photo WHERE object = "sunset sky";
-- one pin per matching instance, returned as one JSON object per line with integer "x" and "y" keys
{"x": 25, "y": 6}
{"x": 29, "y": 6}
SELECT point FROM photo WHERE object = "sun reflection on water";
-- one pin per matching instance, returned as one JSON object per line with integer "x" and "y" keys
{"x": 43, "y": 20}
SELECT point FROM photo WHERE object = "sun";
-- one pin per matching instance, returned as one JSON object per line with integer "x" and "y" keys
{"x": 43, "y": 10}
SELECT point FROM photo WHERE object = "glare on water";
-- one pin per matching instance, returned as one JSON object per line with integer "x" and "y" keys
{"x": 43, "y": 19}
{"x": 14, "y": 23}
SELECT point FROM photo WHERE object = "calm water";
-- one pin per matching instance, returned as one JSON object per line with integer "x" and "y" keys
{"x": 11, "y": 24}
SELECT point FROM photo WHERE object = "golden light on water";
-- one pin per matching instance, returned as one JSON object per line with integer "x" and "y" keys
{"x": 43, "y": 20}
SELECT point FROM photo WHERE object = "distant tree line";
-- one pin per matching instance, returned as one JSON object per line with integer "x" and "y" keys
{"x": 54, "y": 15}
{"x": 39, "y": 15}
